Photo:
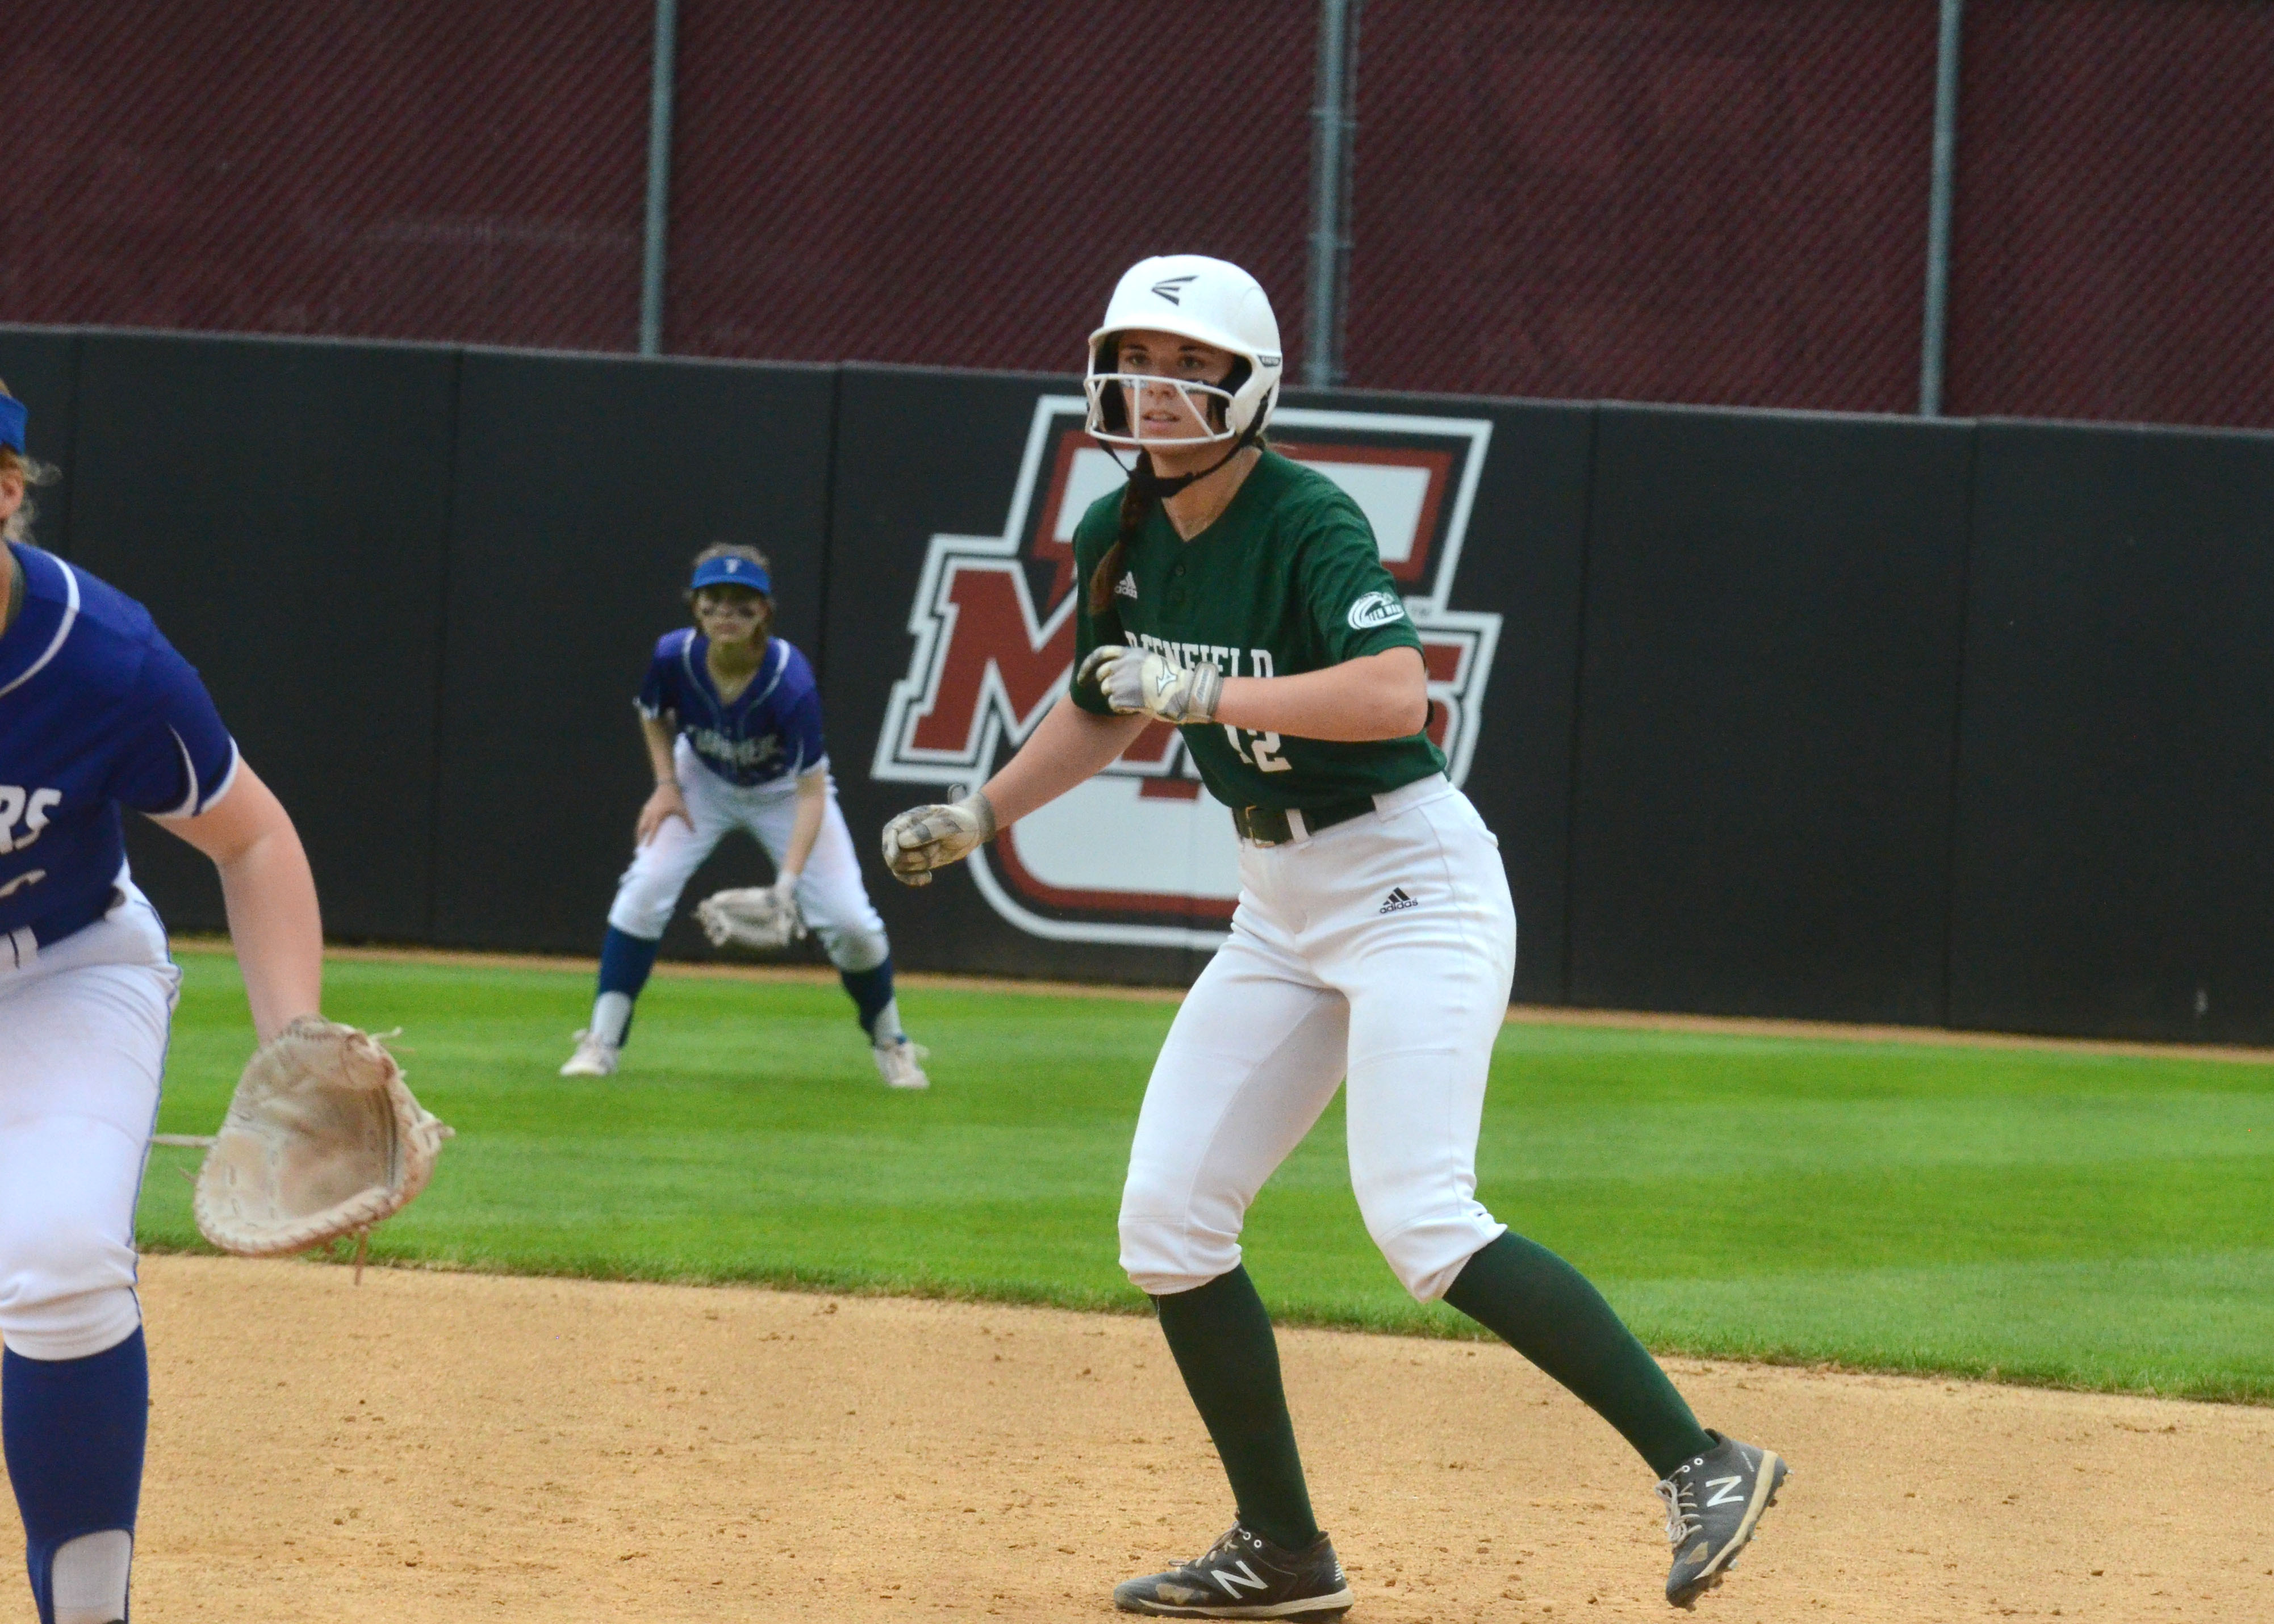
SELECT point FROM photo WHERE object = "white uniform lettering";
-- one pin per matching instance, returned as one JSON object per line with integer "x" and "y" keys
{"x": 32, "y": 807}
{"x": 35, "y": 815}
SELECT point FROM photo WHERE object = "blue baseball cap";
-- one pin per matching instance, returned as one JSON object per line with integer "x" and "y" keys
{"x": 12, "y": 418}
{"x": 731, "y": 571}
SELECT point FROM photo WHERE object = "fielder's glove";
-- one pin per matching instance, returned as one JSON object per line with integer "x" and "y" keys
{"x": 1135, "y": 679}
{"x": 922, "y": 838}
{"x": 323, "y": 1138}
{"x": 753, "y": 916}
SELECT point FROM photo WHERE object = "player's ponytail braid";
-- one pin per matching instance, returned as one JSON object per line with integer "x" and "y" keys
{"x": 1136, "y": 502}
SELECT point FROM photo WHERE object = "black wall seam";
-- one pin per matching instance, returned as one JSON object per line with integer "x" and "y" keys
{"x": 71, "y": 486}
{"x": 1579, "y": 705}
{"x": 442, "y": 648}
{"x": 1958, "y": 730}
{"x": 820, "y": 655}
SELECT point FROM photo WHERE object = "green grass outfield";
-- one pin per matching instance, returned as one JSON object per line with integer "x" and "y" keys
{"x": 2088, "y": 1219}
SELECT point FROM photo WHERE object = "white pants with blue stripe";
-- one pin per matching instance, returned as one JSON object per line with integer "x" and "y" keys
{"x": 83, "y": 1027}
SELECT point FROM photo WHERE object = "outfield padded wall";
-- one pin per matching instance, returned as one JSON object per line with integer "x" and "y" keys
{"x": 282, "y": 508}
{"x": 1525, "y": 558}
{"x": 1791, "y": 715}
{"x": 2114, "y": 868}
{"x": 1767, "y": 701}
{"x": 585, "y": 485}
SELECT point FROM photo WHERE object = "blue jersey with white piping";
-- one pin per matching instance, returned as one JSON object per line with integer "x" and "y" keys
{"x": 97, "y": 712}
{"x": 770, "y": 731}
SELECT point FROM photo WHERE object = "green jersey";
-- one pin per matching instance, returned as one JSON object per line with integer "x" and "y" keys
{"x": 1288, "y": 579}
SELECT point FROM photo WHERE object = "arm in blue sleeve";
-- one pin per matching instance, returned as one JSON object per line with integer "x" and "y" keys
{"x": 181, "y": 760}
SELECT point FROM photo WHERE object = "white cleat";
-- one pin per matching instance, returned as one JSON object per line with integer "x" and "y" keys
{"x": 595, "y": 1057}
{"x": 901, "y": 1063}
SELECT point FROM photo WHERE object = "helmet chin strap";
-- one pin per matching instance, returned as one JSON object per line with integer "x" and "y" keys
{"x": 1151, "y": 485}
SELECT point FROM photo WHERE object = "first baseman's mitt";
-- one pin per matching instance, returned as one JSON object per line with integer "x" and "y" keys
{"x": 749, "y": 916}
{"x": 323, "y": 1138}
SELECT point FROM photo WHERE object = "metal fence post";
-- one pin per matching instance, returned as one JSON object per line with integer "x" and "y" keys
{"x": 658, "y": 175}
{"x": 1935, "y": 326}
{"x": 1334, "y": 120}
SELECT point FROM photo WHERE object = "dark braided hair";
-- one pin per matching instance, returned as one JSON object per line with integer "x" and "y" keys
{"x": 1136, "y": 503}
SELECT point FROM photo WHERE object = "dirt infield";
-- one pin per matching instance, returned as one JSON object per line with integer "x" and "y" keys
{"x": 434, "y": 1446}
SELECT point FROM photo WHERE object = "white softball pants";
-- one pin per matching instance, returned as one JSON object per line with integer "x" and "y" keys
{"x": 1381, "y": 949}
{"x": 830, "y": 895}
{"x": 83, "y": 1027}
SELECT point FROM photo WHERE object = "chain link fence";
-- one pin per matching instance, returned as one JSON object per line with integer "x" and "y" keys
{"x": 2114, "y": 252}
{"x": 960, "y": 185}
{"x": 1709, "y": 203}
{"x": 419, "y": 170}
{"x": 1700, "y": 200}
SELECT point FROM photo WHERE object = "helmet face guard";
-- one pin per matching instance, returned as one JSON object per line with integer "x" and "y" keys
{"x": 1206, "y": 407}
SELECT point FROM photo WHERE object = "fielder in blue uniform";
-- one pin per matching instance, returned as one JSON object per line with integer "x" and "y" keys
{"x": 732, "y": 719}
{"x": 99, "y": 715}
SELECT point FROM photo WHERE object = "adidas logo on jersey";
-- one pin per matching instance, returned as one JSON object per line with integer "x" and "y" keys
{"x": 1127, "y": 586}
{"x": 1396, "y": 899}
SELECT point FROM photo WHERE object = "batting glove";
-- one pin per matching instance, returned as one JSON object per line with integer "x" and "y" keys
{"x": 1137, "y": 679}
{"x": 922, "y": 838}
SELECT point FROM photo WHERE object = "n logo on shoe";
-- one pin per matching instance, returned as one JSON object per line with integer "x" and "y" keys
{"x": 1232, "y": 1581}
{"x": 1725, "y": 1490}
{"x": 1139, "y": 856}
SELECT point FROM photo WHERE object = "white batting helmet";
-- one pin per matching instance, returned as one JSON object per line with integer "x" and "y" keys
{"x": 1192, "y": 296}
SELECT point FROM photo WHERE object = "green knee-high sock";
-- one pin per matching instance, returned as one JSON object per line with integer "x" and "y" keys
{"x": 1222, "y": 1340}
{"x": 1545, "y": 1309}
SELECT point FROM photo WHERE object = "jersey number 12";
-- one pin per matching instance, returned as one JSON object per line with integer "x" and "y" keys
{"x": 1266, "y": 757}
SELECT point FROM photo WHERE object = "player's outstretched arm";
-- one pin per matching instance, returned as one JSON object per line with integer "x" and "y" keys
{"x": 271, "y": 897}
{"x": 1071, "y": 746}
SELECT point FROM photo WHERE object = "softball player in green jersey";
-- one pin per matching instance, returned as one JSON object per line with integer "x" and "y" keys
{"x": 1242, "y": 598}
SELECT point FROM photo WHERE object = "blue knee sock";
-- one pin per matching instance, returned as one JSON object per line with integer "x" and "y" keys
{"x": 871, "y": 992}
{"x": 625, "y": 963}
{"x": 73, "y": 1430}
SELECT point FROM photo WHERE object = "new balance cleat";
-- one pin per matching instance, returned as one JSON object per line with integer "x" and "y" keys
{"x": 1244, "y": 1576}
{"x": 1713, "y": 1501}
